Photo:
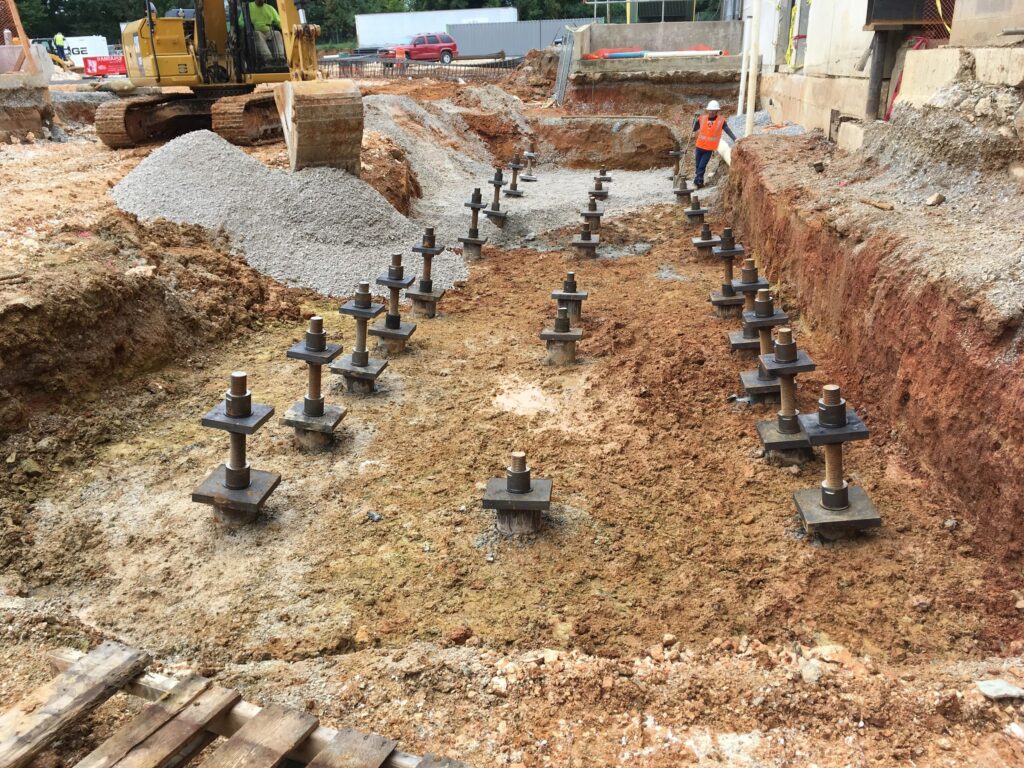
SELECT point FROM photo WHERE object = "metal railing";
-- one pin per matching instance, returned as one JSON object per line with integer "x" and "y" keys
{"x": 362, "y": 68}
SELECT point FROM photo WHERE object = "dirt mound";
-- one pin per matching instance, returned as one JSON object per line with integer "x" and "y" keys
{"x": 591, "y": 142}
{"x": 534, "y": 78}
{"x": 166, "y": 288}
{"x": 385, "y": 166}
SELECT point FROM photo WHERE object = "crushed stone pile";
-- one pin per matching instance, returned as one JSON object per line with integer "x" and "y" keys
{"x": 320, "y": 228}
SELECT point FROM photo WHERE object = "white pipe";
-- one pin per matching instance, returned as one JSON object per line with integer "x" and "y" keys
{"x": 755, "y": 65}
{"x": 740, "y": 101}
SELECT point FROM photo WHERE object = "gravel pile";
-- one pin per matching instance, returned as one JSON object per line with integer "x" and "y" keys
{"x": 321, "y": 228}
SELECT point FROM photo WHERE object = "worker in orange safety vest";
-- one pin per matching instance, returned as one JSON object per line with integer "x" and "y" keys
{"x": 709, "y": 128}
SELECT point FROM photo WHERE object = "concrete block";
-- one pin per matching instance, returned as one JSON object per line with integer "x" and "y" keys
{"x": 851, "y": 136}
{"x": 927, "y": 70}
{"x": 999, "y": 66}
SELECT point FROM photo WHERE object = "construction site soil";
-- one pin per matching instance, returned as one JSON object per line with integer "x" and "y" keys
{"x": 671, "y": 613}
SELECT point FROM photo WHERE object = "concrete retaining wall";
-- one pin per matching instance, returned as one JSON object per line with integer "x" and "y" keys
{"x": 976, "y": 22}
{"x": 668, "y": 36}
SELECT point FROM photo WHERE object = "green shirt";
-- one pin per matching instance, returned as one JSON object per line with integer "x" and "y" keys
{"x": 58, "y": 39}
{"x": 263, "y": 17}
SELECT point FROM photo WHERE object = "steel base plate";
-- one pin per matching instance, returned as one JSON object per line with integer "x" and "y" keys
{"x": 774, "y": 440}
{"x": 251, "y": 499}
{"x": 738, "y": 342}
{"x": 496, "y": 496}
{"x": 369, "y": 372}
{"x": 758, "y": 386}
{"x": 296, "y": 417}
{"x": 401, "y": 333}
{"x": 859, "y": 516}
{"x": 245, "y": 425}
{"x": 718, "y": 300}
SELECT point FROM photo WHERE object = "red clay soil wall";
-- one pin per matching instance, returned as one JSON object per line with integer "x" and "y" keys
{"x": 916, "y": 356}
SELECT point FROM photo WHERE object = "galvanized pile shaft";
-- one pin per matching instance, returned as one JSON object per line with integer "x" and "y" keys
{"x": 238, "y": 404}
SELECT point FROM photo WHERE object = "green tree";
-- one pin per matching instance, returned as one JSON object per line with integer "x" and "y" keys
{"x": 35, "y": 18}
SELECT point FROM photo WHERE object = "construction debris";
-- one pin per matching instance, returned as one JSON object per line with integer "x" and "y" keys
{"x": 313, "y": 421}
{"x": 518, "y": 499}
{"x": 237, "y": 492}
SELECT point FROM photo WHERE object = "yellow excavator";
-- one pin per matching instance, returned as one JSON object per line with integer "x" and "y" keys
{"x": 216, "y": 55}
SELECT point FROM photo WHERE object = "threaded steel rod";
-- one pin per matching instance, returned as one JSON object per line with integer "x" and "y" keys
{"x": 314, "y": 382}
{"x": 834, "y": 466}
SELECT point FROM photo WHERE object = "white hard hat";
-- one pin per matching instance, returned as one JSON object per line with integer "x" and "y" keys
{"x": 714, "y": 106}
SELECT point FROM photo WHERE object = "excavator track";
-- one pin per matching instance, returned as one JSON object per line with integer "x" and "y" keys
{"x": 125, "y": 122}
{"x": 247, "y": 119}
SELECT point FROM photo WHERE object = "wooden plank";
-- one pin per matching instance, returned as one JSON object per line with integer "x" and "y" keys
{"x": 153, "y": 685}
{"x": 37, "y": 719}
{"x": 264, "y": 741}
{"x": 186, "y": 734}
{"x": 110, "y": 752}
{"x": 352, "y": 749}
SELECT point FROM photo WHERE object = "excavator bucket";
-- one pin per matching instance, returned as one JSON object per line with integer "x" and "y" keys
{"x": 323, "y": 123}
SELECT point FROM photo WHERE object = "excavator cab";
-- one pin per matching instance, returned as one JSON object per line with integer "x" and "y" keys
{"x": 220, "y": 56}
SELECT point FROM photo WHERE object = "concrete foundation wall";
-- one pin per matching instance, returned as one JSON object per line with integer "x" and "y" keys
{"x": 656, "y": 66}
{"x": 977, "y": 22}
{"x": 836, "y": 39}
{"x": 809, "y": 100}
{"x": 668, "y": 36}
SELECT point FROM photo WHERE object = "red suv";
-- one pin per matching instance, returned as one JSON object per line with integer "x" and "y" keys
{"x": 428, "y": 46}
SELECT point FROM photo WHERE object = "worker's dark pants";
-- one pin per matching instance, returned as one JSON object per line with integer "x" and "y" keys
{"x": 60, "y": 51}
{"x": 700, "y": 162}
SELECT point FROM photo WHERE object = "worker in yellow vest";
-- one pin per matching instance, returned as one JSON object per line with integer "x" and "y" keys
{"x": 266, "y": 24}
{"x": 58, "y": 44}
{"x": 709, "y": 128}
